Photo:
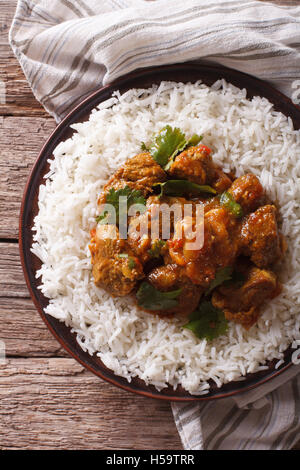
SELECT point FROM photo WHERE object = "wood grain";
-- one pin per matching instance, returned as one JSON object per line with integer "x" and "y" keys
{"x": 12, "y": 283}
{"x": 56, "y": 404}
{"x": 19, "y": 98}
{"x": 21, "y": 140}
{"x": 22, "y": 328}
{"x": 24, "y": 332}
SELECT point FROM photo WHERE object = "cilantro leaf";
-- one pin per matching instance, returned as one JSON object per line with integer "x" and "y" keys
{"x": 231, "y": 205}
{"x": 237, "y": 279}
{"x": 222, "y": 275}
{"x": 156, "y": 247}
{"x": 102, "y": 218}
{"x": 144, "y": 147}
{"x": 131, "y": 262}
{"x": 151, "y": 298}
{"x": 207, "y": 322}
{"x": 166, "y": 143}
{"x": 182, "y": 187}
{"x": 228, "y": 277}
{"x": 134, "y": 196}
{"x": 194, "y": 140}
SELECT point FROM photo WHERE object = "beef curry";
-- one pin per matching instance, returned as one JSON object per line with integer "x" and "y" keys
{"x": 231, "y": 273}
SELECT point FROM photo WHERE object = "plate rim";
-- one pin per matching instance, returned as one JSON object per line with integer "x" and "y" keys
{"x": 41, "y": 160}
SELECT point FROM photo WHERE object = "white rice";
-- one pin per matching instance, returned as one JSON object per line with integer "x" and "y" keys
{"x": 245, "y": 135}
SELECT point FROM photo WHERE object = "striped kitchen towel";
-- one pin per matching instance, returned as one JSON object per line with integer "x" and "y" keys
{"x": 68, "y": 48}
{"x": 267, "y": 417}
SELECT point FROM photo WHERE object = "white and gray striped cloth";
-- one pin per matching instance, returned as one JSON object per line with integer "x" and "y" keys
{"x": 68, "y": 48}
{"x": 267, "y": 417}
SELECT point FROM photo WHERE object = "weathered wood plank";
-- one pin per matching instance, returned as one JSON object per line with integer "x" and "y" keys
{"x": 7, "y": 11}
{"x": 71, "y": 409}
{"x": 21, "y": 140}
{"x": 19, "y": 98}
{"x": 12, "y": 283}
{"x": 56, "y": 404}
{"x": 24, "y": 332}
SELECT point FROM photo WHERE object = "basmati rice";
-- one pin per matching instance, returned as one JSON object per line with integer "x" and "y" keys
{"x": 245, "y": 135}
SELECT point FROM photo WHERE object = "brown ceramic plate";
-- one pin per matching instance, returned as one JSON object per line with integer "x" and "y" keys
{"x": 143, "y": 78}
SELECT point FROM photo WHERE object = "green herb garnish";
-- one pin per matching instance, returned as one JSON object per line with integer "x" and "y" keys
{"x": 222, "y": 275}
{"x": 168, "y": 143}
{"x": 231, "y": 205}
{"x": 150, "y": 298}
{"x": 182, "y": 187}
{"x": 237, "y": 279}
{"x": 155, "y": 250}
{"x": 101, "y": 219}
{"x": 134, "y": 196}
{"x": 228, "y": 277}
{"x": 207, "y": 322}
{"x": 131, "y": 262}
{"x": 194, "y": 140}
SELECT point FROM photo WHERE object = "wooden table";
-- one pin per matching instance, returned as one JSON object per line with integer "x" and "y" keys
{"x": 47, "y": 400}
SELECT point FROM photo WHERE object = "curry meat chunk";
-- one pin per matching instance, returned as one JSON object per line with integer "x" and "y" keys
{"x": 156, "y": 223}
{"x": 171, "y": 277}
{"x": 218, "y": 249}
{"x": 140, "y": 172}
{"x": 114, "y": 267}
{"x": 195, "y": 164}
{"x": 259, "y": 237}
{"x": 221, "y": 181}
{"x": 175, "y": 258}
{"x": 242, "y": 304}
{"x": 247, "y": 191}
